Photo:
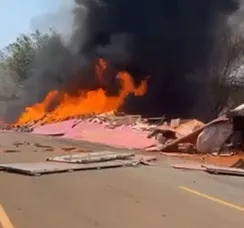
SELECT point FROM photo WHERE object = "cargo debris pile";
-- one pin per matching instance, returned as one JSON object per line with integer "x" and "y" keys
{"x": 222, "y": 136}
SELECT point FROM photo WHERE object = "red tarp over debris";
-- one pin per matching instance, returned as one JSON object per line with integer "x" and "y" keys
{"x": 123, "y": 136}
{"x": 120, "y": 137}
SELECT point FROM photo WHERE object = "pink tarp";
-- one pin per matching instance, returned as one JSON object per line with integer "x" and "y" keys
{"x": 59, "y": 128}
{"x": 120, "y": 137}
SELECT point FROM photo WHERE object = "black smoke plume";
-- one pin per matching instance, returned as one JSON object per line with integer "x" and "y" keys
{"x": 169, "y": 40}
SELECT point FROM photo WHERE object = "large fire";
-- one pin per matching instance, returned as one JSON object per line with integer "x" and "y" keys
{"x": 86, "y": 102}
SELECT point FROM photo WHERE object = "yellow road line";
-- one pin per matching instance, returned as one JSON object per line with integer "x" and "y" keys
{"x": 239, "y": 208}
{"x": 4, "y": 219}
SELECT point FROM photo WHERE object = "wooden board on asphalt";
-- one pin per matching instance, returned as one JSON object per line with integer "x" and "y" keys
{"x": 84, "y": 158}
{"x": 40, "y": 168}
{"x": 189, "y": 166}
{"x": 223, "y": 170}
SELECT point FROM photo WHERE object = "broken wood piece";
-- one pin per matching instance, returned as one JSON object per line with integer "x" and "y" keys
{"x": 223, "y": 170}
{"x": 175, "y": 123}
{"x": 49, "y": 149}
{"x": 221, "y": 154}
{"x": 186, "y": 148}
{"x": 145, "y": 159}
{"x": 172, "y": 154}
{"x": 154, "y": 148}
{"x": 238, "y": 164}
{"x": 188, "y": 166}
{"x": 11, "y": 151}
{"x": 92, "y": 157}
{"x": 75, "y": 149}
{"x": 188, "y": 126}
{"x": 17, "y": 144}
{"x": 43, "y": 146}
{"x": 68, "y": 148}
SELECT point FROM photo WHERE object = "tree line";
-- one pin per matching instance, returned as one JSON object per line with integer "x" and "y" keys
{"x": 16, "y": 60}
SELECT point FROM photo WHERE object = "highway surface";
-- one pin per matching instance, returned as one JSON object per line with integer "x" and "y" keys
{"x": 124, "y": 197}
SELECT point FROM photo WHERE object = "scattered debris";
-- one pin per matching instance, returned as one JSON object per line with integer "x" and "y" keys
{"x": 18, "y": 128}
{"x": 219, "y": 137}
{"x": 43, "y": 146}
{"x": 223, "y": 170}
{"x": 181, "y": 154}
{"x": 235, "y": 169}
{"x": 11, "y": 151}
{"x": 17, "y": 144}
{"x": 191, "y": 137}
{"x": 84, "y": 161}
{"x": 67, "y": 149}
{"x": 40, "y": 168}
{"x": 145, "y": 159}
{"x": 92, "y": 157}
{"x": 75, "y": 149}
{"x": 222, "y": 137}
{"x": 188, "y": 126}
{"x": 49, "y": 149}
{"x": 189, "y": 166}
{"x": 223, "y": 154}
{"x": 186, "y": 148}
{"x": 238, "y": 164}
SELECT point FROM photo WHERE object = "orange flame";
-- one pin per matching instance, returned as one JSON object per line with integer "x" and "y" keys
{"x": 85, "y": 102}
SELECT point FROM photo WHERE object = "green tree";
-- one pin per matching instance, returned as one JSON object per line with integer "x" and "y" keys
{"x": 18, "y": 55}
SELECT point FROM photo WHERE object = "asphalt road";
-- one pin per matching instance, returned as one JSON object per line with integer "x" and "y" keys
{"x": 123, "y": 197}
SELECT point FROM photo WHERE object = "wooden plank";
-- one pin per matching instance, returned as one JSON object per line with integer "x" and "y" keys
{"x": 188, "y": 166}
{"x": 39, "y": 168}
{"x": 91, "y": 157}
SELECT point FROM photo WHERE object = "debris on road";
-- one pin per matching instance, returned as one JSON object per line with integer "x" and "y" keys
{"x": 145, "y": 159}
{"x": 189, "y": 166}
{"x": 92, "y": 157}
{"x": 238, "y": 164}
{"x": 172, "y": 154}
{"x": 221, "y": 137}
{"x": 235, "y": 169}
{"x": 43, "y": 146}
{"x": 11, "y": 151}
{"x": 213, "y": 169}
{"x": 40, "y": 168}
{"x": 135, "y": 132}
{"x": 82, "y": 161}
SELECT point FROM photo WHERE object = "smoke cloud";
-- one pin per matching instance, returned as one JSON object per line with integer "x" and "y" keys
{"x": 169, "y": 40}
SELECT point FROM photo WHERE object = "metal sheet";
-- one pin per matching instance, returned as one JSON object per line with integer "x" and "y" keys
{"x": 55, "y": 167}
{"x": 223, "y": 170}
{"x": 91, "y": 157}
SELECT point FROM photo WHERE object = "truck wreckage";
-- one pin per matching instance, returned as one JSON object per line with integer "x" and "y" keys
{"x": 220, "y": 137}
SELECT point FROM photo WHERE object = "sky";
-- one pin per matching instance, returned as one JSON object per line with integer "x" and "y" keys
{"x": 21, "y": 16}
